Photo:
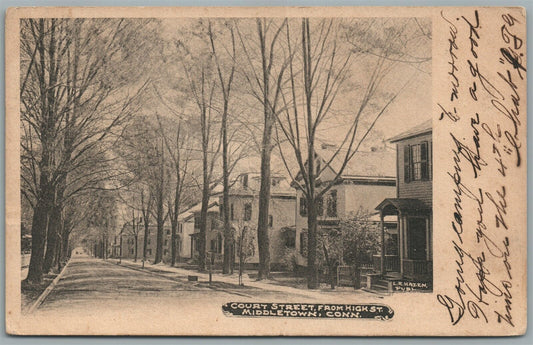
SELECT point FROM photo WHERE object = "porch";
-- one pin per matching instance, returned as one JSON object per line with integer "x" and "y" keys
{"x": 407, "y": 268}
{"x": 412, "y": 258}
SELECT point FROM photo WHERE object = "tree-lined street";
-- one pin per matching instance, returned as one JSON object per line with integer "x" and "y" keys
{"x": 91, "y": 286}
{"x": 127, "y": 124}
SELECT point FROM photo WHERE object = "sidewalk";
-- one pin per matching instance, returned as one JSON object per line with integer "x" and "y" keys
{"x": 268, "y": 284}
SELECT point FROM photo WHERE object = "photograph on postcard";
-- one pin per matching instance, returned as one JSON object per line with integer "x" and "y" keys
{"x": 214, "y": 172}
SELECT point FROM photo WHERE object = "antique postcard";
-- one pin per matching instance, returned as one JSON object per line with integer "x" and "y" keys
{"x": 337, "y": 171}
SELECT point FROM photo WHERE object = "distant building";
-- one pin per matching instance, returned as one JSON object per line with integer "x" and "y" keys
{"x": 412, "y": 205}
{"x": 215, "y": 239}
{"x": 368, "y": 178}
{"x": 185, "y": 231}
{"x": 128, "y": 241}
{"x": 244, "y": 210}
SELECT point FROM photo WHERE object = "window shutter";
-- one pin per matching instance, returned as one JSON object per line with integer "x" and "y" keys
{"x": 407, "y": 163}
{"x": 424, "y": 160}
{"x": 430, "y": 160}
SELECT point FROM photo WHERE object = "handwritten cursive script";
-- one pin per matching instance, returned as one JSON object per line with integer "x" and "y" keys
{"x": 483, "y": 143}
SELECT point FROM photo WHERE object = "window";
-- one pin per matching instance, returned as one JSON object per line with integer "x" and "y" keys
{"x": 131, "y": 251}
{"x": 332, "y": 204}
{"x": 213, "y": 223}
{"x": 245, "y": 181}
{"x": 416, "y": 162}
{"x": 303, "y": 207}
{"x": 247, "y": 212}
{"x": 168, "y": 232}
{"x": 180, "y": 228}
{"x": 197, "y": 221}
{"x": 148, "y": 251}
{"x": 148, "y": 241}
{"x": 270, "y": 220}
{"x": 232, "y": 212}
{"x": 166, "y": 242}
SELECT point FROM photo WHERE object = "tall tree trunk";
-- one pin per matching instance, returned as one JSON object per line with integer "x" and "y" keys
{"x": 312, "y": 275}
{"x": 159, "y": 238}
{"x": 136, "y": 239}
{"x": 38, "y": 242}
{"x": 264, "y": 200}
{"x": 65, "y": 245}
{"x": 52, "y": 238}
{"x": 44, "y": 200}
{"x": 146, "y": 220}
{"x": 160, "y": 207}
{"x": 228, "y": 238}
{"x": 173, "y": 249}
{"x": 55, "y": 226}
{"x": 160, "y": 223}
{"x": 312, "y": 268}
{"x": 202, "y": 239}
{"x": 145, "y": 239}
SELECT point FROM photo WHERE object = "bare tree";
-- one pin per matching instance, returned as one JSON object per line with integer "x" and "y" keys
{"x": 324, "y": 66}
{"x": 180, "y": 155}
{"x": 68, "y": 113}
{"x": 265, "y": 85}
{"x": 226, "y": 88}
{"x": 201, "y": 81}
{"x": 159, "y": 194}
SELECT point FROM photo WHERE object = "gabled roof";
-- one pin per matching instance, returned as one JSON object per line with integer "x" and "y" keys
{"x": 380, "y": 163}
{"x": 423, "y": 128}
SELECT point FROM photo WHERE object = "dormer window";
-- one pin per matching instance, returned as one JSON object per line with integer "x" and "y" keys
{"x": 245, "y": 181}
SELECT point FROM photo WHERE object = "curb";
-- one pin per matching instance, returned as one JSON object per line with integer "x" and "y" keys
{"x": 47, "y": 291}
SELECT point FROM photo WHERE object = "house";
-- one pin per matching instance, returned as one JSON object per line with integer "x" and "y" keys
{"x": 127, "y": 235}
{"x": 412, "y": 205}
{"x": 243, "y": 209}
{"x": 244, "y": 213}
{"x": 185, "y": 231}
{"x": 214, "y": 233}
{"x": 368, "y": 178}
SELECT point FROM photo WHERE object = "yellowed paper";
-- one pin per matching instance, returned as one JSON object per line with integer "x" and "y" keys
{"x": 418, "y": 122}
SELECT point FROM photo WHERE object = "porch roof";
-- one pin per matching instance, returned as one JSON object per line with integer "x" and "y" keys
{"x": 390, "y": 205}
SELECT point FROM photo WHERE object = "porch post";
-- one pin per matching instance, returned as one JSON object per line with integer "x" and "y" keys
{"x": 382, "y": 268}
{"x": 401, "y": 229}
{"x": 428, "y": 246}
